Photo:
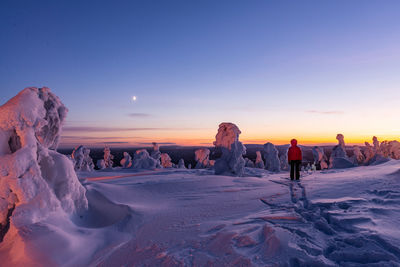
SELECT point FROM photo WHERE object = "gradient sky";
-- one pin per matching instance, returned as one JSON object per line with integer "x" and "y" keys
{"x": 278, "y": 69}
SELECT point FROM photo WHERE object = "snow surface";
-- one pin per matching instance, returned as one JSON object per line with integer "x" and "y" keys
{"x": 181, "y": 217}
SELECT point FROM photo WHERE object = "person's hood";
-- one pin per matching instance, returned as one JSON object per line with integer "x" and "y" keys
{"x": 293, "y": 142}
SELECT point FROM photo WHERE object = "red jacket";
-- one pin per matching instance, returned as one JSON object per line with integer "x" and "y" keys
{"x": 294, "y": 152}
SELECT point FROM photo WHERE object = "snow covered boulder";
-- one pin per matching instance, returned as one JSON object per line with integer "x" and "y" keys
{"x": 35, "y": 180}
{"x": 272, "y": 162}
{"x": 201, "y": 156}
{"x": 142, "y": 160}
{"x": 126, "y": 161}
{"x": 259, "y": 161}
{"x": 166, "y": 161}
{"x": 227, "y": 140}
{"x": 81, "y": 159}
{"x": 320, "y": 159}
{"x": 339, "y": 158}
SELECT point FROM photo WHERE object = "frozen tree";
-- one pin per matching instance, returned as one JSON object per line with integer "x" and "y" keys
{"x": 142, "y": 160}
{"x": 181, "y": 164}
{"x": 100, "y": 164}
{"x": 284, "y": 161}
{"x": 272, "y": 162}
{"x": 319, "y": 157}
{"x": 81, "y": 159}
{"x": 126, "y": 161}
{"x": 369, "y": 153}
{"x": 166, "y": 161}
{"x": 375, "y": 142}
{"x": 259, "y": 161}
{"x": 249, "y": 163}
{"x": 339, "y": 158}
{"x": 156, "y": 154}
{"x": 227, "y": 140}
{"x": 358, "y": 155}
{"x": 35, "y": 180}
{"x": 394, "y": 149}
{"x": 108, "y": 157}
{"x": 201, "y": 156}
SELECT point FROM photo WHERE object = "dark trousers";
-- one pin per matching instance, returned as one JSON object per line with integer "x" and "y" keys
{"x": 295, "y": 168}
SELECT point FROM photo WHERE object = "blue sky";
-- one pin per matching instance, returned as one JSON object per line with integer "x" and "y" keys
{"x": 278, "y": 69}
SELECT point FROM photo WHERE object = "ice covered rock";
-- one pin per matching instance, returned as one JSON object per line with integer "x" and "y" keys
{"x": 166, "y": 161}
{"x": 227, "y": 140}
{"x": 181, "y": 164}
{"x": 81, "y": 159}
{"x": 201, "y": 156}
{"x": 126, "y": 161}
{"x": 108, "y": 157}
{"x": 35, "y": 180}
{"x": 272, "y": 162}
{"x": 142, "y": 160}
{"x": 319, "y": 158}
{"x": 259, "y": 161}
{"x": 156, "y": 154}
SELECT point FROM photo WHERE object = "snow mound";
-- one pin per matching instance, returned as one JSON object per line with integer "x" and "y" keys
{"x": 35, "y": 180}
{"x": 156, "y": 154}
{"x": 272, "y": 162}
{"x": 227, "y": 140}
{"x": 181, "y": 164}
{"x": 142, "y": 160}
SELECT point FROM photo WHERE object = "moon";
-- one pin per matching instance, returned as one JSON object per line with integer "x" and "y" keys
{"x": 134, "y": 98}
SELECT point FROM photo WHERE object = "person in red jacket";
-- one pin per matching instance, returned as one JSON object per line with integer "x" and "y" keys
{"x": 294, "y": 158}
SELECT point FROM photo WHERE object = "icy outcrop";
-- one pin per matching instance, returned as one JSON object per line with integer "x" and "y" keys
{"x": 166, "y": 161}
{"x": 248, "y": 163}
{"x": 181, "y": 164}
{"x": 81, "y": 159}
{"x": 202, "y": 156}
{"x": 339, "y": 158}
{"x": 126, "y": 161}
{"x": 320, "y": 159}
{"x": 142, "y": 160}
{"x": 156, "y": 154}
{"x": 272, "y": 162}
{"x": 108, "y": 157}
{"x": 35, "y": 180}
{"x": 227, "y": 140}
{"x": 259, "y": 161}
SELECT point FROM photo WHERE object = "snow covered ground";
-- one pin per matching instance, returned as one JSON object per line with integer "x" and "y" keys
{"x": 179, "y": 217}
